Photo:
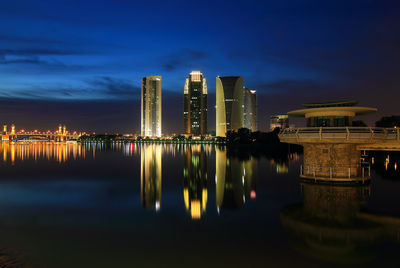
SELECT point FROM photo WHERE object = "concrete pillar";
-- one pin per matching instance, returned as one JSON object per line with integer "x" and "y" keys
{"x": 331, "y": 160}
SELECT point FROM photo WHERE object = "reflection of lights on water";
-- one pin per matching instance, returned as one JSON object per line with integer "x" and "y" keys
{"x": 158, "y": 206}
{"x": 387, "y": 160}
{"x": 60, "y": 152}
{"x": 195, "y": 211}
{"x": 373, "y": 160}
{"x": 395, "y": 166}
{"x": 253, "y": 194}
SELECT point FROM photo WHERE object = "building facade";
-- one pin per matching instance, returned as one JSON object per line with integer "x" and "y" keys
{"x": 195, "y": 104}
{"x": 151, "y": 106}
{"x": 229, "y": 104}
{"x": 279, "y": 121}
{"x": 250, "y": 109}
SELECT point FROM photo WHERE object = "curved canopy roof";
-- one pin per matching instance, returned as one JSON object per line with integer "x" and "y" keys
{"x": 331, "y": 104}
{"x": 333, "y": 111}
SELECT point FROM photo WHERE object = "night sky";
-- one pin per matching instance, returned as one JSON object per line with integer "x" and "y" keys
{"x": 80, "y": 63}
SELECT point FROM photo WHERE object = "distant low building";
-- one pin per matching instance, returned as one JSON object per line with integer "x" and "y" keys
{"x": 279, "y": 121}
{"x": 389, "y": 121}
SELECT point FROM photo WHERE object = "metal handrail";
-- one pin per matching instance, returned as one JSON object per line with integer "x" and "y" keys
{"x": 336, "y": 171}
{"x": 346, "y": 133}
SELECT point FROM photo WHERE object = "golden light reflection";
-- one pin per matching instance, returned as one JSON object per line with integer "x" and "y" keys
{"x": 387, "y": 160}
{"x": 61, "y": 152}
{"x": 150, "y": 176}
{"x": 195, "y": 180}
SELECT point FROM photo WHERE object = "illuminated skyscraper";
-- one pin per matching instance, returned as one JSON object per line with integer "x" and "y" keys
{"x": 250, "y": 109}
{"x": 229, "y": 104}
{"x": 195, "y": 104}
{"x": 150, "y": 176}
{"x": 195, "y": 180}
{"x": 151, "y": 106}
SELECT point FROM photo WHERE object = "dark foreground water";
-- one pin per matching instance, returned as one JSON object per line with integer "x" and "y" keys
{"x": 133, "y": 205}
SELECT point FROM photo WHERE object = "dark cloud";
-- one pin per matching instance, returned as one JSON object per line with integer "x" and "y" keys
{"x": 95, "y": 89}
{"x": 32, "y": 56}
{"x": 26, "y": 60}
{"x": 35, "y": 52}
{"x": 8, "y": 38}
{"x": 117, "y": 88}
{"x": 184, "y": 59}
{"x": 44, "y": 93}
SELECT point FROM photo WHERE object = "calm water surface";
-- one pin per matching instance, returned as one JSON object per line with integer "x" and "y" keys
{"x": 130, "y": 205}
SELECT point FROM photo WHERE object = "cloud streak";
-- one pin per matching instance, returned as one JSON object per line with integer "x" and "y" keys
{"x": 116, "y": 88}
{"x": 184, "y": 59}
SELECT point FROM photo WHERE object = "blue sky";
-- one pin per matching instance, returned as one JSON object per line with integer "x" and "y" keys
{"x": 79, "y": 54}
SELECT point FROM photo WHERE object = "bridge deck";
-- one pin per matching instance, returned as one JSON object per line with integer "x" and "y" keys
{"x": 367, "y": 138}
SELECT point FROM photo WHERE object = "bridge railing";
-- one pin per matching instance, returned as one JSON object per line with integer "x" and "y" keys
{"x": 343, "y": 133}
{"x": 327, "y": 172}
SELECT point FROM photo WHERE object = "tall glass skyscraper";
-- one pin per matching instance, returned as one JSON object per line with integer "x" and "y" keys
{"x": 151, "y": 106}
{"x": 195, "y": 104}
{"x": 229, "y": 104}
{"x": 250, "y": 109}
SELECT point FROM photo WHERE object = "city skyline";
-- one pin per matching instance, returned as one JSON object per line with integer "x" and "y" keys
{"x": 237, "y": 133}
{"x": 85, "y": 66}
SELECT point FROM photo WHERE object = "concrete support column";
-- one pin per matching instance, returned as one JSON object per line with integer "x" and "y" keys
{"x": 331, "y": 160}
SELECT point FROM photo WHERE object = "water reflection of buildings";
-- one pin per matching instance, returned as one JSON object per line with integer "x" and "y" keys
{"x": 235, "y": 181}
{"x": 195, "y": 180}
{"x": 386, "y": 165}
{"x": 281, "y": 166}
{"x": 329, "y": 224}
{"x": 150, "y": 176}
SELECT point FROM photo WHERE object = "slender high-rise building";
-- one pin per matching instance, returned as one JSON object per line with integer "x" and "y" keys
{"x": 151, "y": 106}
{"x": 250, "y": 109}
{"x": 229, "y": 104}
{"x": 195, "y": 104}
